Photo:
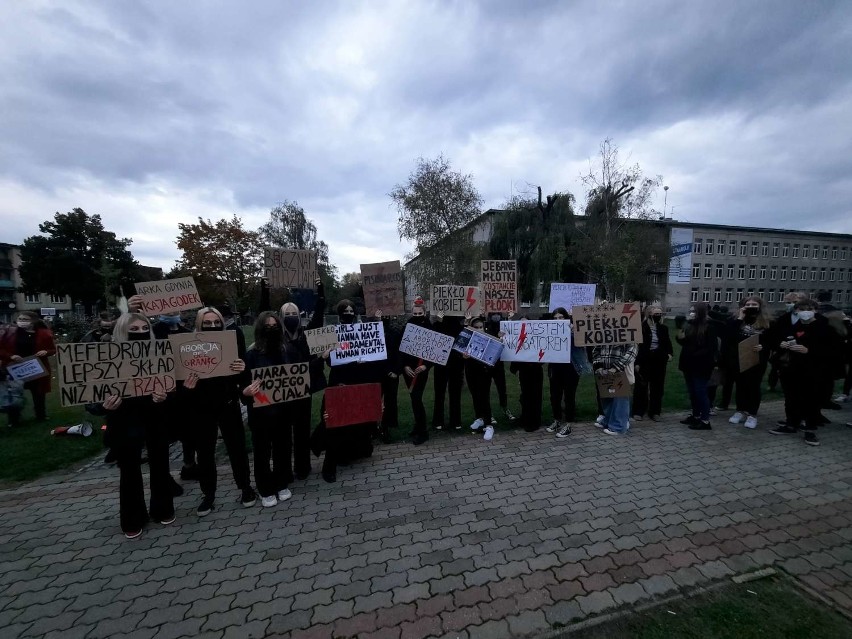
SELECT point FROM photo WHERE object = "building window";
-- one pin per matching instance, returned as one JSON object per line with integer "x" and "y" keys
{"x": 743, "y": 248}
{"x": 720, "y": 271}
{"x": 752, "y": 270}
{"x": 750, "y": 292}
{"x": 834, "y": 253}
{"x": 785, "y": 250}
{"x": 754, "y": 246}
{"x": 732, "y": 248}
{"x": 739, "y": 294}
{"x": 783, "y": 273}
{"x": 825, "y": 252}
{"x": 794, "y": 271}
{"x": 771, "y": 296}
{"x": 730, "y": 271}
{"x": 696, "y": 271}
{"x": 720, "y": 248}
{"x": 708, "y": 271}
{"x": 696, "y": 247}
{"x": 831, "y": 275}
{"x": 717, "y": 295}
{"x": 709, "y": 248}
{"x": 693, "y": 297}
{"x": 822, "y": 275}
{"x": 741, "y": 272}
{"x": 773, "y": 273}
{"x": 775, "y": 249}
{"x": 32, "y": 298}
{"x": 57, "y": 299}
{"x": 813, "y": 274}
{"x": 795, "y": 251}
{"x": 806, "y": 251}
{"x": 705, "y": 295}
{"x": 843, "y": 253}
{"x": 761, "y": 294}
{"x": 764, "y": 250}
{"x": 729, "y": 295}
{"x": 763, "y": 272}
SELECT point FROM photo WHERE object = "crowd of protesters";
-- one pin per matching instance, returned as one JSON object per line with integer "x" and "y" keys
{"x": 807, "y": 349}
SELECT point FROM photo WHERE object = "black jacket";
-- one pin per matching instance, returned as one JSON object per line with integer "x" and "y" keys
{"x": 699, "y": 355}
{"x": 664, "y": 343}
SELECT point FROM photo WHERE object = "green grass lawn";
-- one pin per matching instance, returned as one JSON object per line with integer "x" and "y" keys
{"x": 758, "y": 610}
{"x": 29, "y": 450}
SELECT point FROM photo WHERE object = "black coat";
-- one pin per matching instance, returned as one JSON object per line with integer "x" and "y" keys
{"x": 665, "y": 343}
{"x": 699, "y": 355}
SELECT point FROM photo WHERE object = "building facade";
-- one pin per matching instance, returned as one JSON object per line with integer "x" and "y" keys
{"x": 12, "y": 300}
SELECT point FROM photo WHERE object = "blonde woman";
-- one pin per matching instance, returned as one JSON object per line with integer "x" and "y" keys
{"x": 655, "y": 352}
{"x": 751, "y": 320}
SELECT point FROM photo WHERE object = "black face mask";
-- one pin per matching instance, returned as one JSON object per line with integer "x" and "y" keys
{"x": 291, "y": 322}
{"x": 132, "y": 337}
{"x": 347, "y": 318}
{"x": 751, "y": 313}
{"x": 657, "y": 319}
{"x": 418, "y": 320}
{"x": 212, "y": 328}
{"x": 496, "y": 318}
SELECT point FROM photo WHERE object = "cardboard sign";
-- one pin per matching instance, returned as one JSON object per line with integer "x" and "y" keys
{"x": 479, "y": 346}
{"x": 363, "y": 342}
{"x": 321, "y": 339}
{"x": 92, "y": 371}
{"x": 382, "y": 284}
{"x": 568, "y": 296}
{"x": 207, "y": 354}
{"x": 167, "y": 296}
{"x": 426, "y": 344}
{"x": 290, "y": 268}
{"x": 607, "y": 324}
{"x": 355, "y": 404}
{"x": 27, "y": 369}
{"x": 749, "y": 358}
{"x": 498, "y": 286}
{"x": 613, "y": 385}
{"x": 455, "y": 301}
{"x": 279, "y": 384}
{"x": 539, "y": 341}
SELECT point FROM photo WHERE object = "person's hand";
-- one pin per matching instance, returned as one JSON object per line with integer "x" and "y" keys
{"x": 393, "y": 375}
{"x": 407, "y": 370}
{"x": 378, "y": 314}
{"x": 466, "y": 355}
{"x": 741, "y": 314}
{"x": 112, "y": 402}
{"x": 134, "y": 304}
{"x": 41, "y": 354}
{"x": 440, "y": 315}
{"x": 758, "y": 348}
{"x": 419, "y": 369}
{"x": 318, "y": 283}
{"x": 785, "y": 345}
{"x": 158, "y": 397}
{"x": 636, "y": 368}
{"x": 467, "y": 317}
{"x": 669, "y": 358}
{"x": 252, "y": 389}
{"x": 238, "y": 366}
{"x": 510, "y": 316}
{"x": 501, "y": 334}
{"x": 191, "y": 381}
{"x": 16, "y": 358}
{"x": 798, "y": 348}
{"x": 327, "y": 353}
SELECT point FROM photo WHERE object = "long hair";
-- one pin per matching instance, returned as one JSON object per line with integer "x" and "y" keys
{"x": 259, "y": 337}
{"x": 560, "y": 309}
{"x": 698, "y": 327}
{"x": 762, "y": 320}
{"x": 342, "y": 304}
{"x": 120, "y": 332}
{"x": 649, "y": 310}
{"x": 199, "y": 317}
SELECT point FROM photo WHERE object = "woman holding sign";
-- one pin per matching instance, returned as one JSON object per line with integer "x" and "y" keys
{"x": 750, "y": 324}
{"x": 30, "y": 338}
{"x": 478, "y": 375}
{"x": 134, "y": 423}
{"x": 211, "y": 404}
{"x": 416, "y": 374}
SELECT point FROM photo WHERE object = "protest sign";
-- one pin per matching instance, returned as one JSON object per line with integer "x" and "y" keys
{"x": 207, "y": 354}
{"x": 426, "y": 344}
{"x": 363, "y": 342}
{"x": 27, "y": 369}
{"x": 498, "y": 286}
{"x": 382, "y": 284}
{"x": 568, "y": 296}
{"x": 321, "y": 339}
{"x": 355, "y": 404}
{"x": 613, "y": 385}
{"x": 290, "y": 268}
{"x": 479, "y": 346}
{"x": 92, "y": 371}
{"x": 454, "y": 300}
{"x": 167, "y": 296}
{"x": 279, "y": 384}
{"x": 540, "y": 341}
{"x": 749, "y": 358}
{"x": 608, "y": 324}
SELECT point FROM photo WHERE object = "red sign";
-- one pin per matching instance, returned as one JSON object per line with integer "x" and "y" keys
{"x": 355, "y": 404}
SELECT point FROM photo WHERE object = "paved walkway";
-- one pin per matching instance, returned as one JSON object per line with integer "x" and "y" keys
{"x": 457, "y": 538}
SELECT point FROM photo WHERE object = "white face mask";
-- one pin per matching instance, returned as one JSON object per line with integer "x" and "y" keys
{"x": 691, "y": 316}
{"x": 806, "y": 316}
{"x": 790, "y": 307}
{"x": 24, "y": 323}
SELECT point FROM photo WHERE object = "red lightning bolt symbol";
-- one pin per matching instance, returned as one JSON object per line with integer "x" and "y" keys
{"x": 470, "y": 300}
{"x": 540, "y": 355}
{"x": 261, "y": 398}
{"x": 628, "y": 308}
{"x": 522, "y": 338}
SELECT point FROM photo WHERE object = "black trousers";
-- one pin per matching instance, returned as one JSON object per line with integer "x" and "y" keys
{"x": 228, "y": 420}
{"x": 748, "y": 389}
{"x": 345, "y": 444}
{"x": 416, "y": 387}
{"x": 448, "y": 378}
{"x": 271, "y": 438}
{"x": 498, "y": 372}
{"x": 801, "y": 399}
{"x": 390, "y": 411}
{"x": 728, "y": 379}
{"x": 298, "y": 420}
{"x": 531, "y": 378}
{"x": 131, "y": 492}
{"x": 563, "y": 388}
{"x": 479, "y": 384}
{"x": 650, "y": 385}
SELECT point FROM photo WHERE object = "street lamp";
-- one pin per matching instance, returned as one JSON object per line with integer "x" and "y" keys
{"x": 665, "y": 199}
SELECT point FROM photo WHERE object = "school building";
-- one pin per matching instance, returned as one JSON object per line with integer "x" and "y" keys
{"x": 12, "y": 300}
{"x": 720, "y": 265}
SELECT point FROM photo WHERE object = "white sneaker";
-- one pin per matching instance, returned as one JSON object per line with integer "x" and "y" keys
{"x": 564, "y": 430}
{"x": 489, "y": 433}
{"x": 751, "y": 422}
{"x": 477, "y": 424}
{"x": 553, "y": 427}
{"x": 284, "y": 495}
{"x": 841, "y": 399}
{"x": 493, "y": 421}
{"x": 600, "y": 420}
{"x": 269, "y": 502}
{"x": 736, "y": 418}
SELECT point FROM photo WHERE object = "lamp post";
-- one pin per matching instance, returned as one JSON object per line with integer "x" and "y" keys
{"x": 665, "y": 199}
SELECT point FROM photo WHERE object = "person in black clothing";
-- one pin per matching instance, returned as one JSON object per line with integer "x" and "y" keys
{"x": 564, "y": 379}
{"x": 751, "y": 320}
{"x": 212, "y": 402}
{"x": 270, "y": 439}
{"x": 655, "y": 352}
{"x": 449, "y": 378}
{"x": 498, "y": 372}
{"x": 416, "y": 374}
{"x": 698, "y": 356}
{"x": 390, "y": 380}
{"x": 479, "y": 375}
{"x": 136, "y": 423}
{"x": 103, "y": 331}
{"x": 805, "y": 350}
{"x": 298, "y": 416}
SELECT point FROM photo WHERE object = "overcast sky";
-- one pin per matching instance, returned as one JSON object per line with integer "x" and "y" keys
{"x": 153, "y": 113}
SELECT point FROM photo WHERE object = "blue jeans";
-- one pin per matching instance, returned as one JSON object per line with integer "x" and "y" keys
{"x": 616, "y": 412}
{"x": 697, "y": 387}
